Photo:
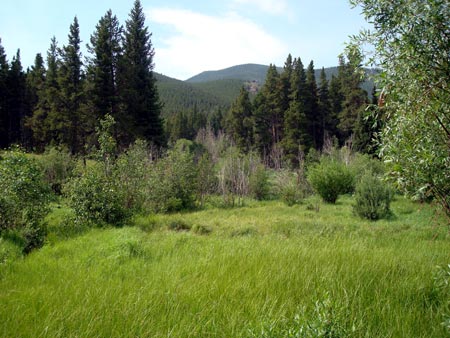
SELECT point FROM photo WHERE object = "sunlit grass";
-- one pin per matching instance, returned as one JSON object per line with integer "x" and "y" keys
{"x": 259, "y": 265}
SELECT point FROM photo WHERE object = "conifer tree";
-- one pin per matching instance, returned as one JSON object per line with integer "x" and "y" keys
{"x": 35, "y": 83}
{"x": 142, "y": 108}
{"x": 35, "y": 80}
{"x": 312, "y": 112}
{"x": 16, "y": 100}
{"x": 296, "y": 136}
{"x": 261, "y": 127}
{"x": 273, "y": 105}
{"x": 336, "y": 100}
{"x": 46, "y": 112}
{"x": 4, "y": 68}
{"x": 325, "y": 106}
{"x": 102, "y": 70}
{"x": 285, "y": 82}
{"x": 241, "y": 121}
{"x": 354, "y": 98}
{"x": 177, "y": 127}
{"x": 70, "y": 81}
{"x": 215, "y": 120}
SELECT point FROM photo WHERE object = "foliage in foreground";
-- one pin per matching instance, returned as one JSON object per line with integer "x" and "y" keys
{"x": 97, "y": 198}
{"x": 411, "y": 43}
{"x": 24, "y": 200}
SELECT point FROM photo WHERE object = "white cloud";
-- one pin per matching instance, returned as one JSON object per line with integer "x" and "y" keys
{"x": 277, "y": 7}
{"x": 201, "y": 42}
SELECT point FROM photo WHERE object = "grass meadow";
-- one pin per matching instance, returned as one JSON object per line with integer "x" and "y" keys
{"x": 262, "y": 270}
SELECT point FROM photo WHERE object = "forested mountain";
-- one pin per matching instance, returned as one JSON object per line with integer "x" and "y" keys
{"x": 178, "y": 96}
{"x": 257, "y": 73}
{"x": 245, "y": 72}
{"x": 212, "y": 89}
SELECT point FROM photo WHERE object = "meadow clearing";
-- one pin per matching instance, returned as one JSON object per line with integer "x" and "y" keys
{"x": 261, "y": 270}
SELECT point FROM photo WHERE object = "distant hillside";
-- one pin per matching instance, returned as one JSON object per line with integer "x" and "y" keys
{"x": 210, "y": 90}
{"x": 179, "y": 96}
{"x": 246, "y": 72}
{"x": 226, "y": 89}
{"x": 254, "y": 72}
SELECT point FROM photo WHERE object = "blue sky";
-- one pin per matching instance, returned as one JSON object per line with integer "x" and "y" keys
{"x": 193, "y": 36}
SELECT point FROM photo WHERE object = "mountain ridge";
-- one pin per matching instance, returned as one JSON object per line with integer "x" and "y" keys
{"x": 211, "y": 89}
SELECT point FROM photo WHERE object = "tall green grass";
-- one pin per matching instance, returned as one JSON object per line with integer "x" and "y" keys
{"x": 263, "y": 270}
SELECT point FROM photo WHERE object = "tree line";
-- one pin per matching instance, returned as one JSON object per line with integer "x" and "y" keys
{"x": 60, "y": 101}
{"x": 295, "y": 113}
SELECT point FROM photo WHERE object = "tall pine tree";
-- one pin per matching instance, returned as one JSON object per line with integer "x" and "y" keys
{"x": 16, "y": 100}
{"x": 285, "y": 82}
{"x": 4, "y": 68}
{"x": 70, "y": 79}
{"x": 313, "y": 114}
{"x": 336, "y": 100}
{"x": 296, "y": 138}
{"x": 325, "y": 106}
{"x": 261, "y": 128}
{"x": 44, "y": 121}
{"x": 241, "y": 121}
{"x": 35, "y": 84}
{"x": 354, "y": 98}
{"x": 273, "y": 104}
{"x": 102, "y": 71}
{"x": 142, "y": 108}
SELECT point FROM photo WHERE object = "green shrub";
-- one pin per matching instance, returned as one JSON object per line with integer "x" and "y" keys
{"x": 331, "y": 178}
{"x": 259, "y": 183}
{"x": 146, "y": 223}
{"x": 291, "y": 187}
{"x": 244, "y": 232}
{"x": 24, "y": 200}
{"x": 9, "y": 251}
{"x": 173, "y": 181}
{"x": 200, "y": 229}
{"x": 69, "y": 227}
{"x": 132, "y": 171}
{"x": 328, "y": 320}
{"x": 97, "y": 198}
{"x": 372, "y": 197}
{"x": 207, "y": 178}
{"x": 362, "y": 163}
{"x": 178, "y": 225}
{"x": 57, "y": 165}
{"x": 290, "y": 195}
{"x": 98, "y": 195}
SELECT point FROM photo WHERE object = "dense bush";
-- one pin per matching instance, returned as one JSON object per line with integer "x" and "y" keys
{"x": 207, "y": 177}
{"x": 132, "y": 172}
{"x": 173, "y": 180}
{"x": 361, "y": 163}
{"x": 372, "y": 197}
{"x": 235, "y": 176}
{"x": 331, "y": 178}
{"x": 259, "y": 183}
{"x": 24, "y": 200}
{"x": 291, "y": 187}
{"x": 57, "y": 165}
{"x": 97, "y": 197}
{"x": 98, "y": 194}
